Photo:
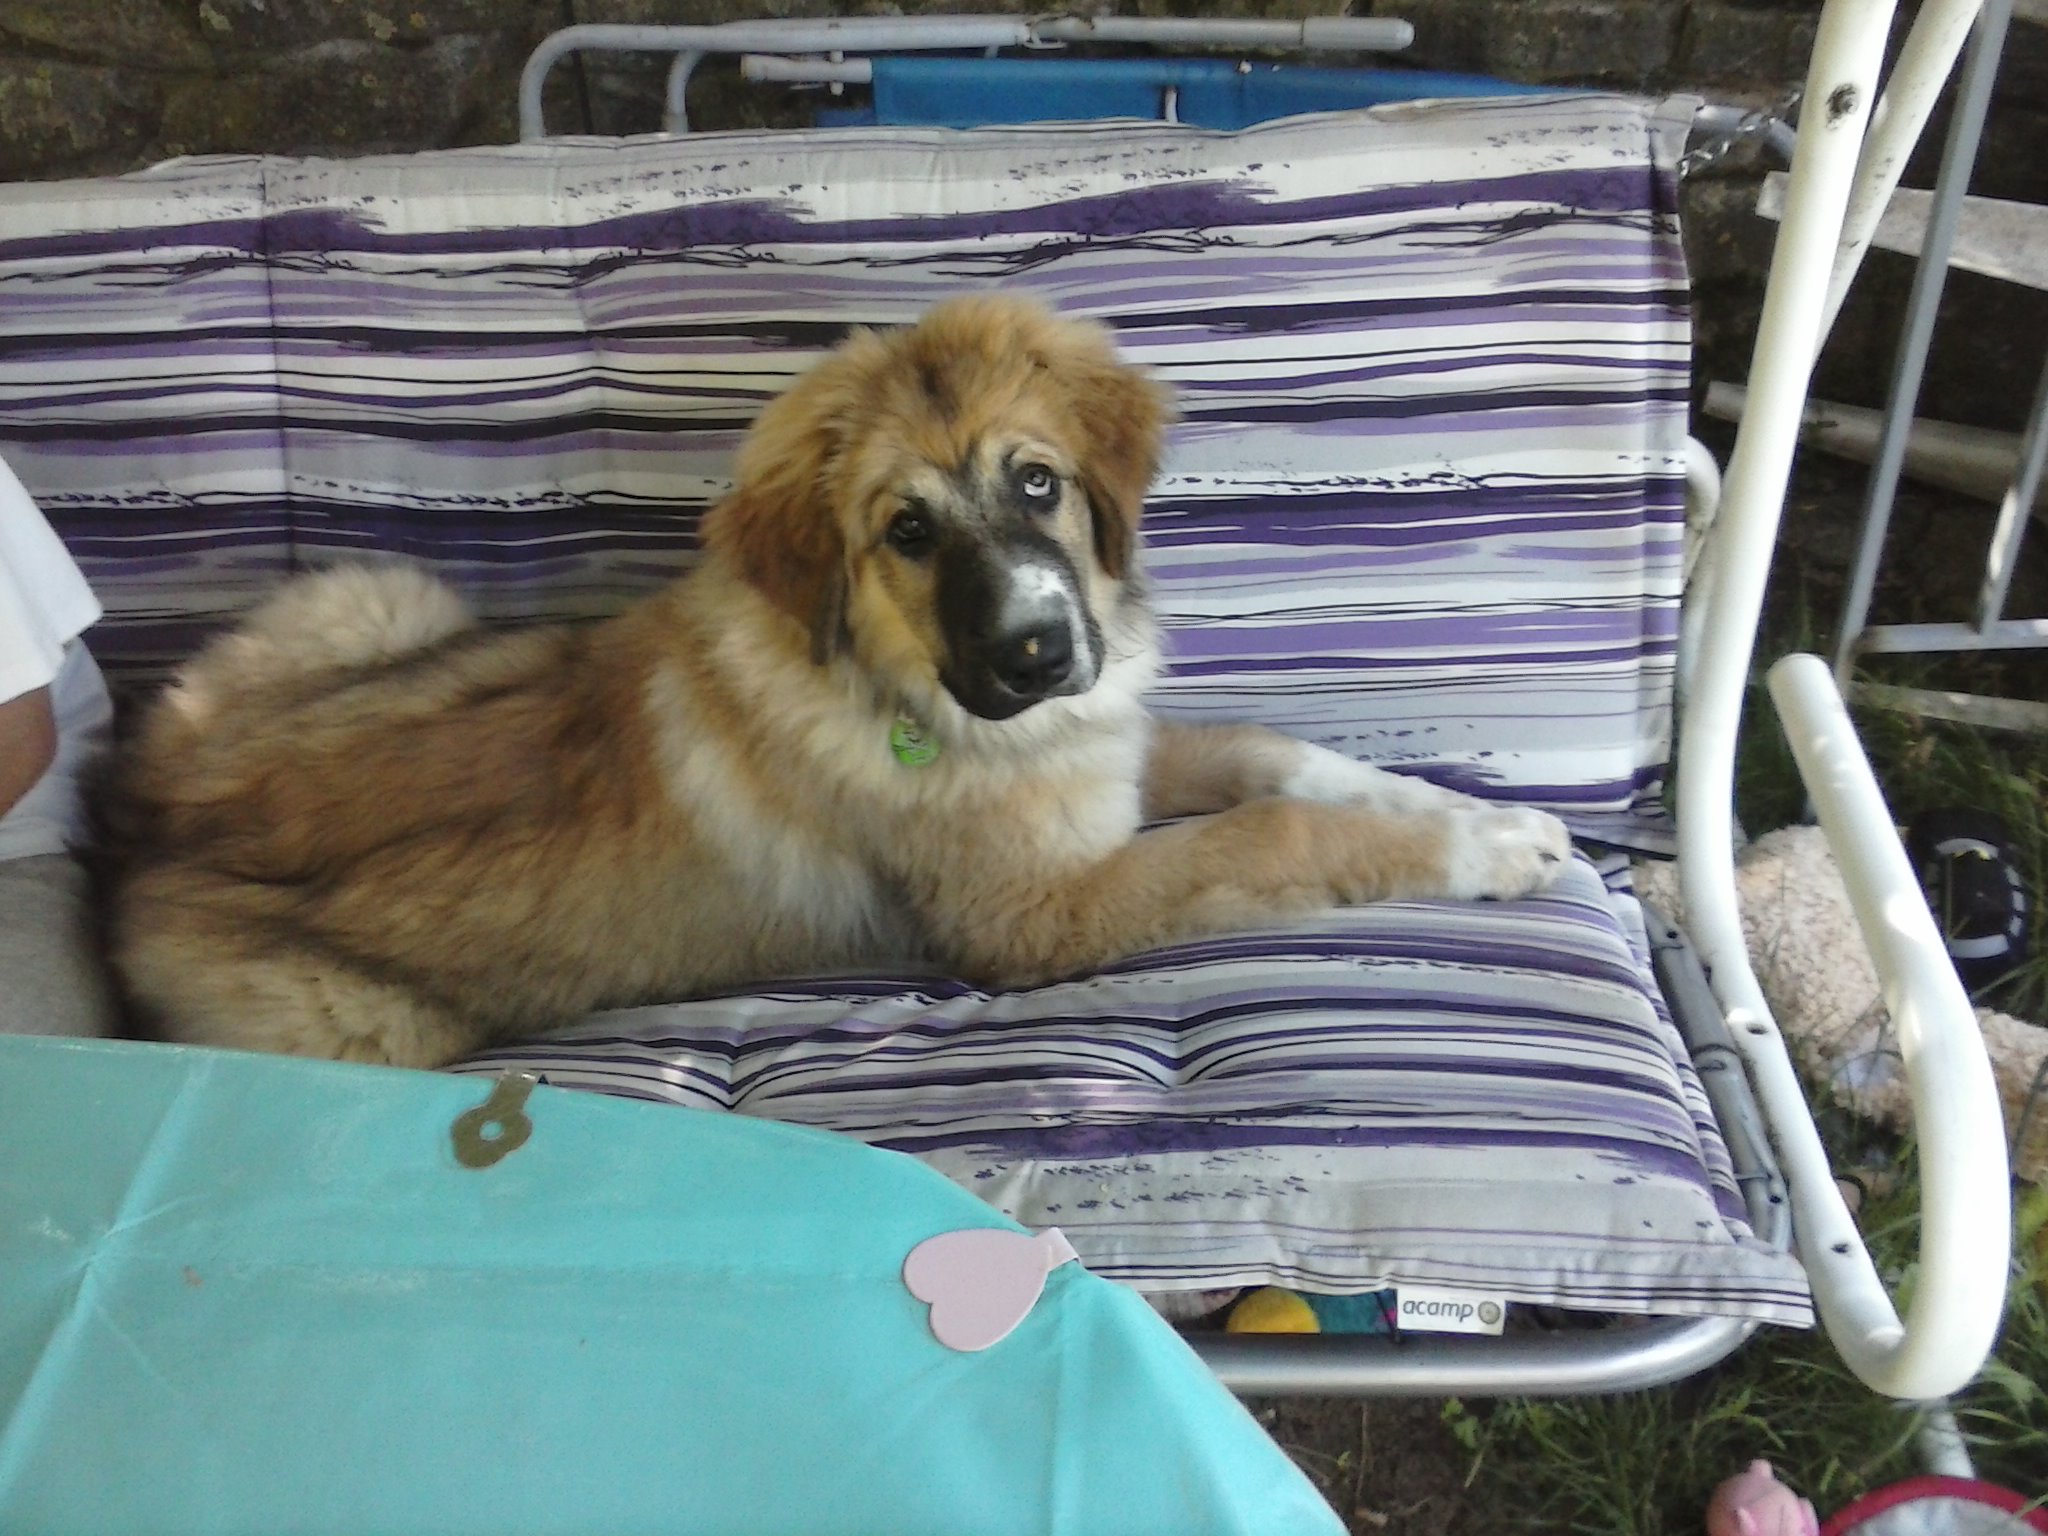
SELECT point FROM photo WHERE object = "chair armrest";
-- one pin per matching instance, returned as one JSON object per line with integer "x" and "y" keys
{"x": 1966, "y": 1196}
{"x": 1965, "y": 1192}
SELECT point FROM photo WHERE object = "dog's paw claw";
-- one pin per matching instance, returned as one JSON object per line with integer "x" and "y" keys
{"x": 1504, "y": 851}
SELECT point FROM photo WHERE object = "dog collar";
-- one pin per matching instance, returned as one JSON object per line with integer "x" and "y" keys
{"x": 911, "y": 746}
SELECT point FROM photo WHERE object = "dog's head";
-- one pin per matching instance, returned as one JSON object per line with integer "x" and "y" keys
{"x": 958, "y": 500}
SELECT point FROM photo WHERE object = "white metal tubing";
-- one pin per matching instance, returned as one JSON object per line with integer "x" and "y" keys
{"x": 1965, "y": 1188}
{"x": 853, "y": 33}
{"x": 2012, "y": 514}
{"x": 1973, "y": 99}
{"x": 1702, "y": 506}
{"x": 806, "y": 71}
{"x": 1943, "y": 1450}
{"x": 675, "y": 110}
{"x": 1851, "y": 1298}
{"x": 1925, "y": 61}
{"x": 1702, "y": 499}
{"x": 1366, "y": 33}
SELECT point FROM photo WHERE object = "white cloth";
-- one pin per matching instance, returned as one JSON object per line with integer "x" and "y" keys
{"x": 45, "y": 605}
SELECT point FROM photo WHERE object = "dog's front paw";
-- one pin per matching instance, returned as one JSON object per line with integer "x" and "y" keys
{"x": 1503, "y": 851}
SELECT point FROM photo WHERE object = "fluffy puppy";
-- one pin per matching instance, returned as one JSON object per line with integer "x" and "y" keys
{"x": 894, "y": 713}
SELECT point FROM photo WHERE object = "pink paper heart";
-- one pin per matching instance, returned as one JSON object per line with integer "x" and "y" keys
{"x": 983, "y": 1281}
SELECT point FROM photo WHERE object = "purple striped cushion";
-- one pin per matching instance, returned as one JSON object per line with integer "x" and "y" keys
{"x": 1485, "y": 1095}
{"x": 1423, "y": 506}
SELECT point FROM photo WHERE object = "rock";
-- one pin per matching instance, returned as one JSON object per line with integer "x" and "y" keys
{"x": 59, "y": 119}
{"x": 143, "y": 34}
{"x": 704, "y": 13}
{"x": 1565, "y": 42}
{"x": 244, "y": 25}
{"x": 1585, "y": 42}
{"x": 346, "y": 96}
{"x": 1743, "y": 46}
{"x": 710, "y": 12}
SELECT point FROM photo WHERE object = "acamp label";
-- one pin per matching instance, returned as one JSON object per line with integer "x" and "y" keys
{"x": 1435, "y": 1309}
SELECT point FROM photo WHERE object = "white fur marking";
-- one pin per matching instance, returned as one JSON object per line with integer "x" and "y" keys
{"x": 1039, "y": 593}
{"x": 1035, "y": 592}
{"x": 1331, "y": 778}
{"x": 1503, "y": 851}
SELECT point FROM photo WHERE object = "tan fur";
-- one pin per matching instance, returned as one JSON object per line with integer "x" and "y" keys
{"x": 360, "y": 827}
{"x": 1199, "y": 770}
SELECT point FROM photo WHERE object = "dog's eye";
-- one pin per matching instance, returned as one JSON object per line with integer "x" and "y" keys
{"x": 1037, "y": 483}
{"x": 911, "y": 533}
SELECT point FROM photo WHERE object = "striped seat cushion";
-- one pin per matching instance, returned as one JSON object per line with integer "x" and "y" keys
{"x": 1423, "y": 504}
{"x": 1482, "y": 1095}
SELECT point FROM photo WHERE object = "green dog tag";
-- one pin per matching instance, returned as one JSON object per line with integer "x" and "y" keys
{"x": 908, "y": 741}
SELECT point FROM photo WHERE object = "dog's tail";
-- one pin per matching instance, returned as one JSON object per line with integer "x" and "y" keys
{"x": 314, "y": 629}
{"x": 350, "y": 616}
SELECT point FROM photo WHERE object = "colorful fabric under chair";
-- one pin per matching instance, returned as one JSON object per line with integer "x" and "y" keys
{"x": 273, "y": 1295}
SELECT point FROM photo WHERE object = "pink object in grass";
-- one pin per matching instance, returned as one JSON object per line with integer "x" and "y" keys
{"x": 982, "y": 1282}
{"x": 1755, "y": 1503}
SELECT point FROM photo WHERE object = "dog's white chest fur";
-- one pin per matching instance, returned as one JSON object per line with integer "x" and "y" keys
{"x": 782, "y": 888}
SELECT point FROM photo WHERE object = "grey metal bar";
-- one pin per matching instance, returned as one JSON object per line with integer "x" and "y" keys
{"x": 1623, "y": 1358}
{"x": 1690, "y": 996}
{"x": 1912, "y": 639}
{"x": 1369, "y": 34}
{"x": 1943, "y": 1448}
{"x": 1973, "y": 99}
{"x": 2013, "y": 513}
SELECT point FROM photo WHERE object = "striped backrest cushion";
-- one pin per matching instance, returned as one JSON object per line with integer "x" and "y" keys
{"x": 1423, "y": 504}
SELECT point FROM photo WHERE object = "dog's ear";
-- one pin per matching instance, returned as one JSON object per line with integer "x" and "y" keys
{"x": 1122, "y": 414}
{"x": 789, "y": 551}
{"x": 778, "y": 527}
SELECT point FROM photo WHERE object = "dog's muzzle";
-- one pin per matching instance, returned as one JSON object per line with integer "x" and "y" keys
{"x": 1017, "y": 632}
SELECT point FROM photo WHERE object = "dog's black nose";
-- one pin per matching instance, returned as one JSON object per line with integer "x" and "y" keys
{"x": 1034, "y": 663}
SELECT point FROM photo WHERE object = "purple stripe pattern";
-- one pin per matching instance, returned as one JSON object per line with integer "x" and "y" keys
{"x": 1423, "y": 504}
{"x": 1475, "y": 1094}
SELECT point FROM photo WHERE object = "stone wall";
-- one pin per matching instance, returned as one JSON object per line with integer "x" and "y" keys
{"x": 90, "y": 87}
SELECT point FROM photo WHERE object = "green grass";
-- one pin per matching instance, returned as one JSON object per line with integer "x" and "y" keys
{"x": 1643, "y": 1464}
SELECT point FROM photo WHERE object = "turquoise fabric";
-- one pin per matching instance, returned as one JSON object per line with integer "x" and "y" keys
{"x": 929, "y": 89}
{"x": 243, "y": 1293}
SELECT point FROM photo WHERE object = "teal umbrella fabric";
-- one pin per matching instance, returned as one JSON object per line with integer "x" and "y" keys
{"x": 251, "y": 1294}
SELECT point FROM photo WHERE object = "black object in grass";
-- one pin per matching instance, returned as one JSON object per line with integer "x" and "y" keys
{"x": 1970, "y": 870}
